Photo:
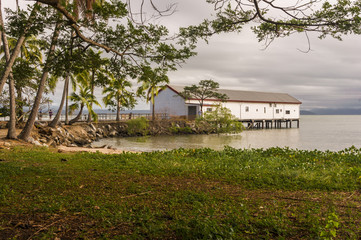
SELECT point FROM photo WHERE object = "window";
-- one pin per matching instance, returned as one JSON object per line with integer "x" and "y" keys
{"x": 264, "y": 109}
{"x": 275, "y": 105}
{"x": 270, "y": 105}
{"x": 209, "y": 109}
{"x": 247, "y": 109}
{"x": 288, "y": 111}
{"x": 257, "y": 110}
{"x": 277, "y": 111}
{"x": 280, "y": 110}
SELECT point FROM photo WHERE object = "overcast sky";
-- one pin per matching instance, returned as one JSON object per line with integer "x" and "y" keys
{"x": 326, "y": 77}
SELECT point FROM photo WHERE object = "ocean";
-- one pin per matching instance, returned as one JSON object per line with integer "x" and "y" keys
{"x": 321, "y": 132}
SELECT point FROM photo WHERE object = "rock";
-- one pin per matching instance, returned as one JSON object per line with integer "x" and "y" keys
{"x": 92, "y": 127}
{"x": 113, "y": 133}
{"x": 71, "y": 145}
{"x": 37, "y": 143}
{"x": 99, "y": 131}
{"x": 39, "y": 124}
{"x": 7, "y": 144}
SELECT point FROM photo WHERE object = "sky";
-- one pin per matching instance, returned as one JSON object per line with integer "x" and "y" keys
{"x": 328, "y": 76}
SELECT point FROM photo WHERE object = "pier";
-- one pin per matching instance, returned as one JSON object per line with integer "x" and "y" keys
{"x": 270, "y": 123}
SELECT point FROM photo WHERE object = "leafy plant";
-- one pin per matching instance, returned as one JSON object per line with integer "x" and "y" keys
{"x": 330, "y": 230}
{"x": 138, "y": 126}
{"x": 222, "y": 121}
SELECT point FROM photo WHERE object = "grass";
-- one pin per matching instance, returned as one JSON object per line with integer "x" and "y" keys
{"x": 277, "y": 193}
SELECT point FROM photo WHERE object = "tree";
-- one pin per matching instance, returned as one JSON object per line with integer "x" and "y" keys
{"x": 25, "y": 69}
{"x": 135, "y": 45}
{"x": 117, "y": 96}
{"x": 206, "y": 89}
{"x": 25, "y": 133}
{"x": 273, "y": 19}
{"x": 82, "y": 99}
{"x": 153, "y": 80}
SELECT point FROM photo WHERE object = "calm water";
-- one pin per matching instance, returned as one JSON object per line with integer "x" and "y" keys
{"x": 315, "y": 132}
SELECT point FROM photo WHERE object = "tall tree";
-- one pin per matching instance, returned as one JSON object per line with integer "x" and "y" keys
{"x": 118, "y": 96}
{"x": 12, "y": 131}
{"x": 153, "y": 80}
{"x": 29, "y": 26}
{"x": 26, "y": 69}
{"x": 206, "y": 89}
{"x": 25, "y": 133}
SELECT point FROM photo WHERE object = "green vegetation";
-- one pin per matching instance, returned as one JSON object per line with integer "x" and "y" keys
{"x": 222, "y": 121}
{"x": 277, "y": 193}
{"x": 138, "y": 126}
{"x": 174, "y": 129}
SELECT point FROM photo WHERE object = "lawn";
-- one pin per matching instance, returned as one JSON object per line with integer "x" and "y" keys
{"x": 277, "y": 193}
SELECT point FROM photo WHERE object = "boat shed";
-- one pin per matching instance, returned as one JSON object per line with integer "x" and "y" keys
{"x": 259, "y": 109}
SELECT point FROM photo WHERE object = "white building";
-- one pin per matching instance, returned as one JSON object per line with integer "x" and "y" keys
{"x": 244, "y": 105}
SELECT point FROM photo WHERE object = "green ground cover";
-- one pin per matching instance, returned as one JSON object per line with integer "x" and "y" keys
{"x": 276, "y": 193}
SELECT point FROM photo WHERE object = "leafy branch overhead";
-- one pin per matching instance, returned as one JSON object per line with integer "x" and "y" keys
{"x": 273, "y": 19}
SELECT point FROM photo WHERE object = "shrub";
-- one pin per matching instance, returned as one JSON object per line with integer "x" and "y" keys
{"x": 222, "y": 121}
{"x": 138, "y": 126}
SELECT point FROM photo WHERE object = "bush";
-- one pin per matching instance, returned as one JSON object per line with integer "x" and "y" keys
{"x": 180, "y": 130}
{"x": 222, "y": 121}
{"x": 138, "y": 126}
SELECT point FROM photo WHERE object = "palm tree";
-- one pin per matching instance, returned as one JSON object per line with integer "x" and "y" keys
{"x": 118, "y": 96}
{"x": 153, "y": 81}
{"x": 25, "y": 68}
{"x": 82, "y": 99}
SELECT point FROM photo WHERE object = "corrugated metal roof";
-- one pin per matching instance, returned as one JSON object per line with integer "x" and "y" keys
{"x": 249, "y": 96}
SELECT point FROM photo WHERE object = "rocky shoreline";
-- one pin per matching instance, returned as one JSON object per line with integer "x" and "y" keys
{"x": 83, "y": 134}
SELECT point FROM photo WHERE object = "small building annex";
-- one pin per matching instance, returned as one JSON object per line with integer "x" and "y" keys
{"x": 244, "y": 105}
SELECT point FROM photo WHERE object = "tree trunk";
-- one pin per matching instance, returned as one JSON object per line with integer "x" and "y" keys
{"x": 67, "y": 105}
{"x": 25, "y": 133}
{"x": 153, "y": 109}
{"x": 58, "y": 114}
{"x": 12, "y": 123}
{"x": 118, "y": 110}
{"x": 19, "y": 104}
{"x": 16, "y": 51}
{"x": 92, "y": 92}
{"x": 78, "y": 116}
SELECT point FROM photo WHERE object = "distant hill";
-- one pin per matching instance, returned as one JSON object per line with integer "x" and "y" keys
{"x": 305, "y": 112}
{"x": 332, "y": 111}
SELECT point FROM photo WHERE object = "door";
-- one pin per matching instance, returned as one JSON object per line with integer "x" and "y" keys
{"x": 192, "y": 112}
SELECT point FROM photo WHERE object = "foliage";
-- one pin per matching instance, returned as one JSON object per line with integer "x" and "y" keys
{"x": 206, "y": 89}
{"x": 153, "y": 81}
{"x": 276, "y": 193}
{"x": 174, "y": 129}
{"x": 222, "y": 120}
{"x": 117, "y": 96}
{"x": 84, "y": 98}
{"x": 330, "y": 230}
{"x": 270, "y": 19}
{"x": 138, "y": 126}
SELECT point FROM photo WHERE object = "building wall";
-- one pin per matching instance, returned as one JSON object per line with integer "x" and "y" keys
{"x": 169, "y": 102}
{"x": 243, "y": 110}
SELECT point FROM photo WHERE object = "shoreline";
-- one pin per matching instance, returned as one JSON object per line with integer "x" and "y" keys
{"x": 102, "y": 150}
